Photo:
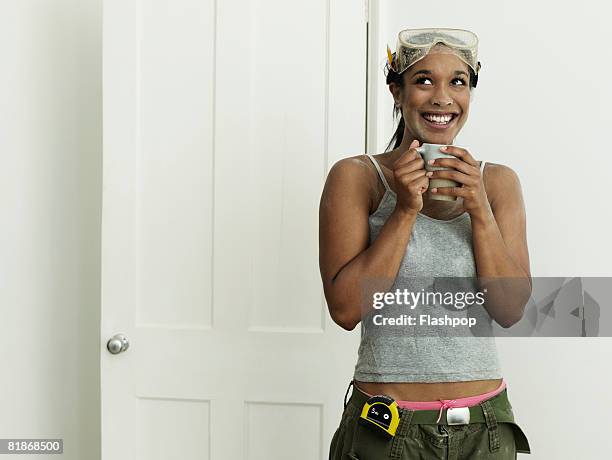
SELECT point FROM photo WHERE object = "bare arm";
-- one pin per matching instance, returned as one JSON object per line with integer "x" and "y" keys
{"x": 500, "y": 247}
{"x": 498, "y": 231}
{"x": 345, "y": 260}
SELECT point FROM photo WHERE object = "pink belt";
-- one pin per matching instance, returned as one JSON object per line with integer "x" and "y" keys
{"x": 468, "y": 401}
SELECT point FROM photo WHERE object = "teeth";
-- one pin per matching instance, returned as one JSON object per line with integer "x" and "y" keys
{"x": 442, "y": 119}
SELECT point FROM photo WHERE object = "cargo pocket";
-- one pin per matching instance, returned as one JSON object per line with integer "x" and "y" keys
{"x": 337, "y": 446}
{"x": 520, "y": 440}
{"x": 368, "y": 444}
{"x": 333, "y": 447}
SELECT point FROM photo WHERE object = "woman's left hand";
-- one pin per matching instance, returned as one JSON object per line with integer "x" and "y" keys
{"x": 466, "y": 171}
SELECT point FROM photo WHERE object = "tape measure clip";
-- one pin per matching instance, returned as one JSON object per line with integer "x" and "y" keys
{"x": 381, "y": 414}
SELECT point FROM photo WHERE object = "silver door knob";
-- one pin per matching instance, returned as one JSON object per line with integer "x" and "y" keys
{"x": 117, "y": 344}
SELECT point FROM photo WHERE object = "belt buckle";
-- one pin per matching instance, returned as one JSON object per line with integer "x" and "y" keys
{"x": 457, "y": 415}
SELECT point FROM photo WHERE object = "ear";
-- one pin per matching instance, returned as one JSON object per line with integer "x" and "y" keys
{"x": 395, "y": 91}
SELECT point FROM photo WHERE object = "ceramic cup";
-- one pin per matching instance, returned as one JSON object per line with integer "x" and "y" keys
{"x": 432, "y": 152}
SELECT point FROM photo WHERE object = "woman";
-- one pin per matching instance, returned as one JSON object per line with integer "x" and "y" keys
{"x": 379, "y": 220}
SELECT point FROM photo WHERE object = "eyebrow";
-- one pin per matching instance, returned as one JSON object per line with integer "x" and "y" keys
{"x": 428, "y": 72}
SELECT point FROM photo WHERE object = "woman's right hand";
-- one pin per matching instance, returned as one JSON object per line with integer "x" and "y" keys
{"x": 410, "y": 179}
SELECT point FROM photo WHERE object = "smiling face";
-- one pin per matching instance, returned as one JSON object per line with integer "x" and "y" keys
{"x": 435, "y": 99}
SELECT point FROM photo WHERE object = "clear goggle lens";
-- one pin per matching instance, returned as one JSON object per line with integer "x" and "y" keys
{"x": 457, "y": 38}
{"x": 414, "y": 44}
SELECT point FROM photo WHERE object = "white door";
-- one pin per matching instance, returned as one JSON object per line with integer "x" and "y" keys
{"x": 221, "y": 120}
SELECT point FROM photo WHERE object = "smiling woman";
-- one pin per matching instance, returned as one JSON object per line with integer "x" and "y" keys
{"x": 424, "y": 78}
{"x": 379, "y": 221}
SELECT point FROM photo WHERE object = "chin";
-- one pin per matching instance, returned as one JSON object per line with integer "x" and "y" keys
{"x": 438, "y": 139}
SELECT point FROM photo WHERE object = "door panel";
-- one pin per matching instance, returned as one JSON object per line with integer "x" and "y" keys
{"x": 221, "y": 120}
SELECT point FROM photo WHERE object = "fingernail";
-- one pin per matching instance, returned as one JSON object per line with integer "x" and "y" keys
{"x": 443, "y": 148}
{"x": 434, "y": 190}
{"x": 429, "y": 174}
{"x": 430, "y": 162}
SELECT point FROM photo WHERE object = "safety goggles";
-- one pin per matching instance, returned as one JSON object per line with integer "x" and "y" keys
{"x": 414, "y": 44}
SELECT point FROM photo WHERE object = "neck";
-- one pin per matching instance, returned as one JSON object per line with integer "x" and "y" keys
{"x": 403, "y": 147}
{"x": 441, "y": 209}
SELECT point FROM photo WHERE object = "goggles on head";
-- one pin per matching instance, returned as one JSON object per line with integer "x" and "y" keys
{"x": 414, "y": 44}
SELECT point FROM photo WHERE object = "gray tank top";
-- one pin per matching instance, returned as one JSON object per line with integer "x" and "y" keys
{"x": 437, "y": 248}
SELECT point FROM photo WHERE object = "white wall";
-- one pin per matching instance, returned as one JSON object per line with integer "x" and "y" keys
{"x": 50, "y": 187}
{"x": 542, "y": 107}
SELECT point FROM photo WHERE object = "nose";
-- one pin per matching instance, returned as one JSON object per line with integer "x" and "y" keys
{"x": 441, "y": 98}
{"x": 440, "y": 104}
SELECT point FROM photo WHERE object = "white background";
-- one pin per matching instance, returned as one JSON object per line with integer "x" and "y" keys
{"x": 50, "y": 190}
{"x": 542, "y": 107}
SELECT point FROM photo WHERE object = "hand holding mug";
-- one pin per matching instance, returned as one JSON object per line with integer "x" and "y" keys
{"x": 466, "y": 173}
{"x": 410, "y": 179}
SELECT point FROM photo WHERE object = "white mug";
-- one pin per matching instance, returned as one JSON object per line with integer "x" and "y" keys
{"x": 432, "y": 152}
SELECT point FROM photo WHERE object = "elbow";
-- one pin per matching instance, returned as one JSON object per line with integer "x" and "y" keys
{"x": 509, "y": 323}
{"x": 349, "y": 325}
{"x": 340, "y": 310}
{"x": 343, "y": 319}
{"x": 522, "y": 296}
{"x": 522, "y": 302}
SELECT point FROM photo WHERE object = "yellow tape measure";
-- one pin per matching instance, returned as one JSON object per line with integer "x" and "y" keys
{"x": 380, "y": 413}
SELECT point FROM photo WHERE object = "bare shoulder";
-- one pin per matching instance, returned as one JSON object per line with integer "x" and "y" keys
{"x": 349, "y": 175}
{"x": 501, "y": 182}
{"x": 357, "y": 165}
{"x": 343, "y": 216}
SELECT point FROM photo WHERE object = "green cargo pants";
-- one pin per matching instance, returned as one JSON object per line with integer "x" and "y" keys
{"x": 491, "y": 433}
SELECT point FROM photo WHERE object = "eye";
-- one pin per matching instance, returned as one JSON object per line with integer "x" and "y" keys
{"x": 422, "y": 80}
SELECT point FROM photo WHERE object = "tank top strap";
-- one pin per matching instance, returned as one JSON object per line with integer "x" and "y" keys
{"x": 482, "y": 163}
{"x": 380, "y": 173}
